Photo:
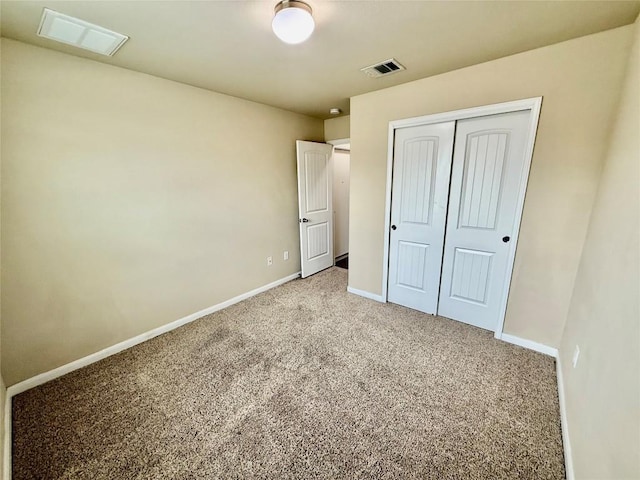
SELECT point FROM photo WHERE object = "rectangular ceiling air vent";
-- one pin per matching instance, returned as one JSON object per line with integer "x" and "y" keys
{"x": 73, "y": 31}
{"x": 383, "y": 68}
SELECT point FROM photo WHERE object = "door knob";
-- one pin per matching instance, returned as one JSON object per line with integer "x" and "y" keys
{"x": 393, "y": 227}
{"x": 506, "y": 239}
{"x": 304, "y": 220}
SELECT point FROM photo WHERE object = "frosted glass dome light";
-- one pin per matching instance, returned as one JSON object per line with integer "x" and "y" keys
{"x": 293, "y": 22}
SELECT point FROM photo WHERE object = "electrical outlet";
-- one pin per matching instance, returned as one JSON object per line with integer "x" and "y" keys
{"x": 286, "y": 255}
{"x": 576, "y": 355}
{"x": 269, "y": 261}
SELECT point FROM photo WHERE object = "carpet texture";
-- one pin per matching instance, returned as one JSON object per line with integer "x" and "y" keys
{"x": 304, "y": 381}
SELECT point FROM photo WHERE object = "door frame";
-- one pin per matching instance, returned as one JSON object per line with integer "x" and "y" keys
{"x": 339, "y": 141}
{"x": 533, "y": 105}
{"x": 336, "y": 144}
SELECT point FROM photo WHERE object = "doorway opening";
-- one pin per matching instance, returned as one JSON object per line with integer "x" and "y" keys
{"x": 323, "y": 204}
{"x": 341, "y": 174}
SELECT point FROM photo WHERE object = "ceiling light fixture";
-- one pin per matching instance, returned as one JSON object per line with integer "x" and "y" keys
{"x": 292, "y": 21}
{"x": 335, "y": 111}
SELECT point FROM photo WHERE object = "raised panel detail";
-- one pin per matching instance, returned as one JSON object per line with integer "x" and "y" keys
{"x": 418, "y": 179}
{"x": 412, "y": 264}
{"x": 317, "y": 240}
{"x": 317, "y": 191}
{"x": 471, "y": 273}
{"x": 483, "y": 179}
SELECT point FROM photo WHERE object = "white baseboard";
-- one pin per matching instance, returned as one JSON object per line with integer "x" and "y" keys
{"x": 553, "y": 352}
{"x": 75, "y": 365}
{"x": 568, "y": 459}
{"x": 531, "y": 345}
{"x": 107, "y": 352}
{"x": 369, "y": 295}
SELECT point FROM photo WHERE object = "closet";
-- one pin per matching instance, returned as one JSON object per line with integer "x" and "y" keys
{"x": 457, "y": 191}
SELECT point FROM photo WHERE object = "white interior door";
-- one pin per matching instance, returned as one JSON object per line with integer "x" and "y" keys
{"x": 487, "y": 175}
{"x": 315, "y": 206}
{"x": 421, "y": 170}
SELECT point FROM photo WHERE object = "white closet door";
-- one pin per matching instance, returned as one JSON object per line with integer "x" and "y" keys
{"x": 488, "y": 168}
{"x": 421, "y": 170}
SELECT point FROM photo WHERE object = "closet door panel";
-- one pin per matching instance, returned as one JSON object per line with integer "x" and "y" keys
{"x": 488, "y": 165}
{"x": 421, "y": 171}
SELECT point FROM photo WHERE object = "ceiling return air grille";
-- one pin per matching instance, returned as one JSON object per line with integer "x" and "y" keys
{"x": 383, "y": 69}
{"x": 73, "y": 31}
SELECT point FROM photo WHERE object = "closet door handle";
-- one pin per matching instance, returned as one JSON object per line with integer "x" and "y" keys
{"x": 506, "y": 239}
{"x": 393, "y": 227}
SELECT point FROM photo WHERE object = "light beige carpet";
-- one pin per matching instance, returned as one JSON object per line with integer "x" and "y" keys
{"x": 304, "y": 381}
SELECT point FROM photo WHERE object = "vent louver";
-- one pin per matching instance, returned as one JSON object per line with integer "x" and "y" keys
{"x": 383, "y": 68}
{"x": 78, "y": 33}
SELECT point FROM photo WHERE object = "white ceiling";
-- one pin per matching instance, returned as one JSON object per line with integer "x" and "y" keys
{"x": 228, "y": 46}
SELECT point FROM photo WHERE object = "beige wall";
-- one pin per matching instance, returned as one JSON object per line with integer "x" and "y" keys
{"x": 336, "y": 128}
{"x": 580, "y": 81}
{"x": 603, "y": 391}
{"x": 129, "y": 201}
